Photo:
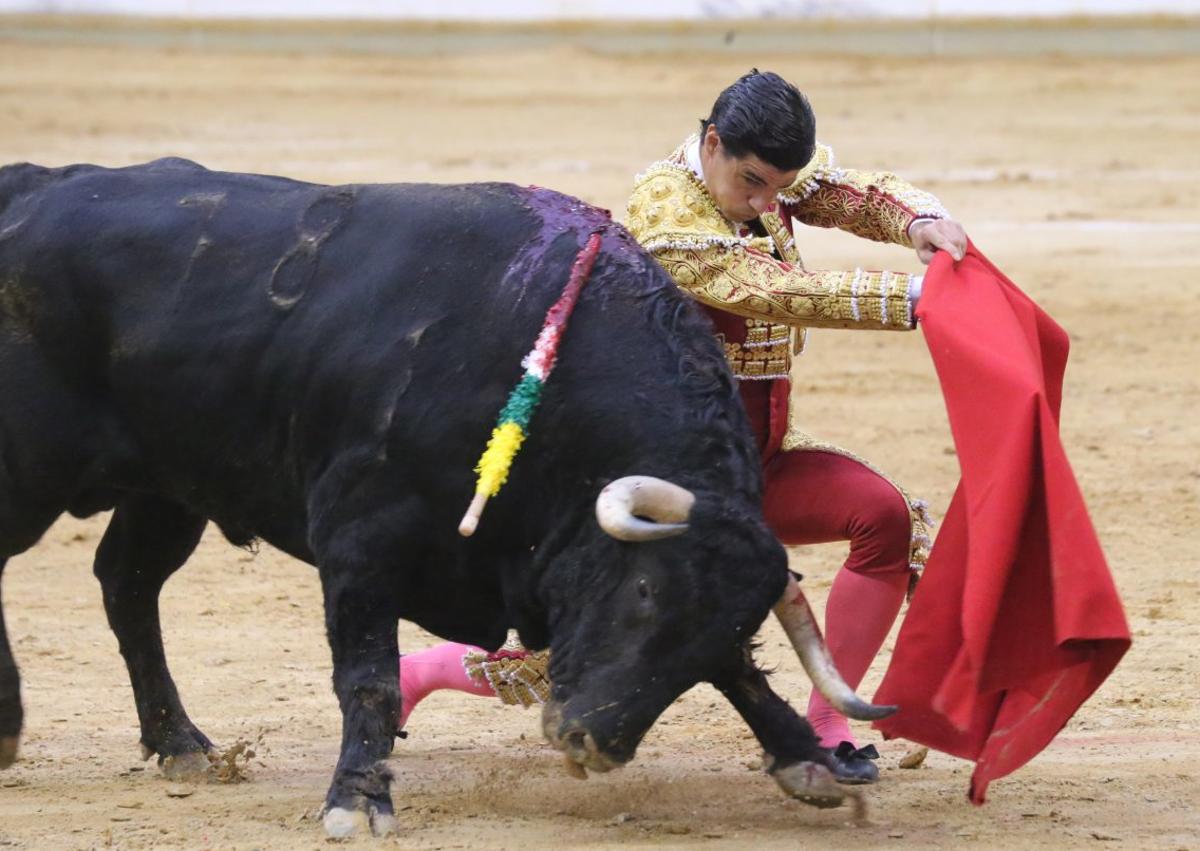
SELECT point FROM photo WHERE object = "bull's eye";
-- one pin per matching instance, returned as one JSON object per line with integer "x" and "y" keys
{"x": 643, "y": 589}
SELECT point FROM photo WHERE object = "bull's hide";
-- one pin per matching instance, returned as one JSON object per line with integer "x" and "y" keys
{"x": 318, "y": 367}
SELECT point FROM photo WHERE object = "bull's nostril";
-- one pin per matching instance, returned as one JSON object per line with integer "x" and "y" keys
{"x": 576, "y": 740}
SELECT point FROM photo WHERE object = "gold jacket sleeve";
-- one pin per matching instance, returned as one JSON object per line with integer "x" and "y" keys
{"x": 755, "y": 285}
{"x": 876, "y": 205}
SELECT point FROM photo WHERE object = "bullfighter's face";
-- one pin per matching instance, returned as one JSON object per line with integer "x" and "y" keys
{"x": 661, "y": 616}
{"x": 743, "y": 187}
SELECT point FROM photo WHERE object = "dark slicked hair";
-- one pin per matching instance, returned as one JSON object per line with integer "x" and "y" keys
{"x": 765, "y": 115}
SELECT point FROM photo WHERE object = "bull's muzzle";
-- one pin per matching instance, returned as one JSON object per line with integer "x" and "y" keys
{"x": 643, "y": 508}
{"x": 580, "y": 751}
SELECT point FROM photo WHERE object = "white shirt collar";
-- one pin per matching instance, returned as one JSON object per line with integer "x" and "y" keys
{"x": 693, "y": 158}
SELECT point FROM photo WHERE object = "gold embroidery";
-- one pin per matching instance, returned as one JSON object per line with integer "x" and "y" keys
{"x": 785, "y": 244}
{"x": 760, "y": 333}
{"x": 764, "y": 354}
{"x": 670, "y": 206}
{"x": 758, "y": 363}
{"x": 876, "y": 205}
{"x": 753, "y": 285}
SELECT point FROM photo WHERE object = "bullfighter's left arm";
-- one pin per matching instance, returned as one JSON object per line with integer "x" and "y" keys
{"x": 876, "y": 205}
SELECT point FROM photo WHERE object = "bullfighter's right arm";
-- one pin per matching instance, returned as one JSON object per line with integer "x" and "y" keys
{"x": 753, "y": 284}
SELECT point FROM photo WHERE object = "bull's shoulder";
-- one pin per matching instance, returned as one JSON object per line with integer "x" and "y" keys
{"x": 173, "y": 164}
{"x": 177, "y": 172}
{"x": 61, "y": 203}
{"x": 169, "y": 173}
{"x": 24, "y": 178}
{"x": 20, "y": 179}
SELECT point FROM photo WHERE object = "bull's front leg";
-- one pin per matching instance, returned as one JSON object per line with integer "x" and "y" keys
{"x": 10, "y": 695}
{"x": 147, "y": 540}
{"x": 792, "y": 754}
{"x": 361, "y": 615}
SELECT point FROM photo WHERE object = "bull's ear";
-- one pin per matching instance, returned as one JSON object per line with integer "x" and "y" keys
{"x": 643, "y": 508}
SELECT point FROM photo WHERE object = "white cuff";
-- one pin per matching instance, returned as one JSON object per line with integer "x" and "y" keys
{"x": 916, "y": 283}
{"x": 914, "y": 222}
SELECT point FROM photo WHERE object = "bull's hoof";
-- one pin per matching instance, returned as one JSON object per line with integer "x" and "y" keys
{"x": 341, "y": 823}
{"x": 8, "y": 750}
{"x": 383, "y": 824}
{"x": 186, "y": 767}
{"x": 182, "y": 752}
{"x": 811, "y": 783}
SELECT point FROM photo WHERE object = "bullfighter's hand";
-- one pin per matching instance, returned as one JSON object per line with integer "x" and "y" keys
{"x": 929, "y": 235}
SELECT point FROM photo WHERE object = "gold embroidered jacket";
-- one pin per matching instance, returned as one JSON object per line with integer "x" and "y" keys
{"x": 761, "y": 278}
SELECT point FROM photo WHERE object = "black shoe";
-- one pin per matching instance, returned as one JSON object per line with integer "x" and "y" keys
{"x": 854, "y": 767}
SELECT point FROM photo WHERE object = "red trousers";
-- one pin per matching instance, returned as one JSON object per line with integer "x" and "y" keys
{"x": 814, "y": 496}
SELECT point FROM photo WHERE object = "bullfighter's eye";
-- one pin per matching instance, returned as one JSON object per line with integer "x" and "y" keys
{"x": 643, "y": 589}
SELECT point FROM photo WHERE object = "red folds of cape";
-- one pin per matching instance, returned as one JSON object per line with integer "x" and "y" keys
{"x": 1016, "y": 621}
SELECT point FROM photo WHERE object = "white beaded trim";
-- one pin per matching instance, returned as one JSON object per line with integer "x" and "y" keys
{"x": 807, "y": 188}
{"x": 810, "y": 184}
{"x": 698, "y": 244}
{"x": 858, "y": 274}
{"x": 772, "y": 377}
{"x": 884, "y": 279}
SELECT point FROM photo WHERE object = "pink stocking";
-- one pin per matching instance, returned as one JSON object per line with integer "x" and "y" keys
{"x": 439, "y": 667}
{"x": 858, "y": 616}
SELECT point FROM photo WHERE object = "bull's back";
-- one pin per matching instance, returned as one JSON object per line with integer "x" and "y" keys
{"x": 239, "y": 329}
{"x": 127, "y": 244}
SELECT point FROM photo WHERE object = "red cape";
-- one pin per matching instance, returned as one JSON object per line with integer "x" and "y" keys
{"x": 1016, "y": 620}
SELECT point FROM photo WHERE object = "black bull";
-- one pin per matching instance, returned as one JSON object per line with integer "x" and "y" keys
{"x": 319, "y": 367}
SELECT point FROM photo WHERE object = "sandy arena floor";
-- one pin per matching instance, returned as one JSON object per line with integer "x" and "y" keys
{"x": 1078, "y": 177}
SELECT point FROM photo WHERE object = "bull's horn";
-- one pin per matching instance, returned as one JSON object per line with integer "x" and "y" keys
{"x": 643, "y": 508}
{"x": 801, "y": 628}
